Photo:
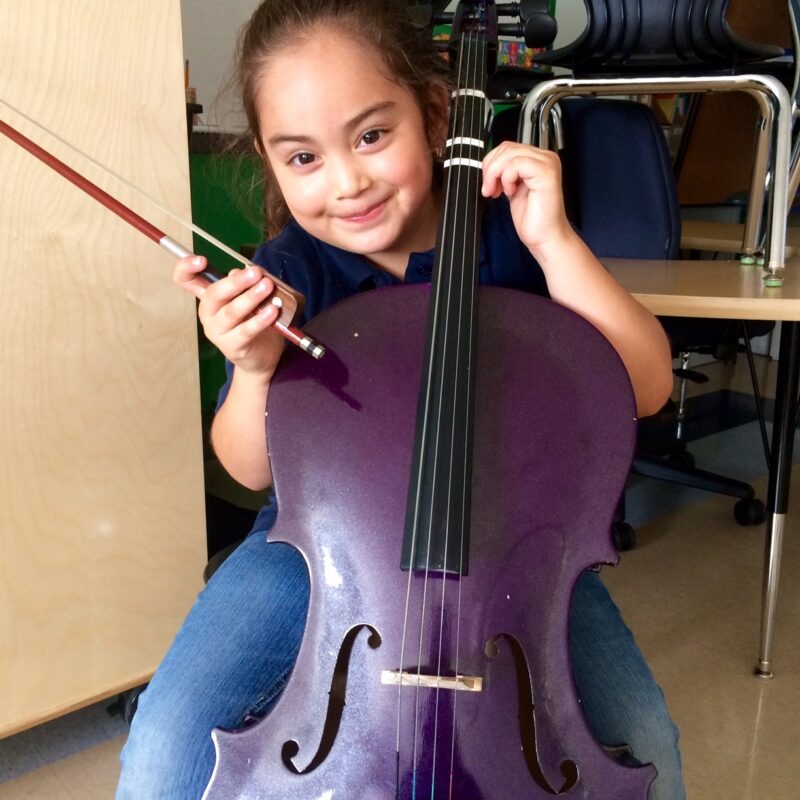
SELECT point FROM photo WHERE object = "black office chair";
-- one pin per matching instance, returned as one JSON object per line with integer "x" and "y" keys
{"x": 621, "y": 196}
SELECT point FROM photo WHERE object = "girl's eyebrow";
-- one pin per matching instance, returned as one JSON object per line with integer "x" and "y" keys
{"x": 368, "y": 112}
{"x": 357, "y": 120}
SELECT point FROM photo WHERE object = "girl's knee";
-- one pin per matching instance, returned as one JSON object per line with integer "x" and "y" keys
{"x": 166, "y": 760}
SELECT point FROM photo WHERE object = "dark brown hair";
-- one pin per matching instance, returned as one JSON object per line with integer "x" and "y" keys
{"x": 406, "y": 50}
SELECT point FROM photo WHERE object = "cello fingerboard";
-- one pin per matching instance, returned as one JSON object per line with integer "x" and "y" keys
{"x": 436, "y": 535}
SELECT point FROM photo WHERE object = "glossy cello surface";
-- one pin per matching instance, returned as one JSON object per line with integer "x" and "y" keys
{"x": 440, "y": 670}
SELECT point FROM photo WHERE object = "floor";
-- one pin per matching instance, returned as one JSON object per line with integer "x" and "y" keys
{"x": 691, "y": 592}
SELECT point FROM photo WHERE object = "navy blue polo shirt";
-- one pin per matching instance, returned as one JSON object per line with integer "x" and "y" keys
{"x": 325, "y": 275}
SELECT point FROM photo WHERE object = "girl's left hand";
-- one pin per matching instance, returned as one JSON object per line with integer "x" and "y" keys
{"x": 531, "y": 179}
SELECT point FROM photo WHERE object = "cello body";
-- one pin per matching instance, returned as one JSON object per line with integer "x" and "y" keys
{"x": 554, "y": 429}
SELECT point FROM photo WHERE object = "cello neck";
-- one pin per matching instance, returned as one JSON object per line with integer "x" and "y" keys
{"x": 438, "y": 508}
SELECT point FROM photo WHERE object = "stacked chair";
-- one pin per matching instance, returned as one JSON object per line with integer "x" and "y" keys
{"x": 640, "y": 46}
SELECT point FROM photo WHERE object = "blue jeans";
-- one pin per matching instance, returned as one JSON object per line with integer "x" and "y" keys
{"x": 236, "y": 648}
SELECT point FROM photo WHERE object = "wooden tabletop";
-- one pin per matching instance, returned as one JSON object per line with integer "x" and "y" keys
{"x": 721, "y": 289}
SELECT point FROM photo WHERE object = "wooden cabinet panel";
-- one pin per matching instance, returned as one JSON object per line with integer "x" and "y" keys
{"x": 102, "y": 530}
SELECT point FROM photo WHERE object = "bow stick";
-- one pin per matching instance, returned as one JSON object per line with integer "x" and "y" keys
{"x": 284, "y": 297}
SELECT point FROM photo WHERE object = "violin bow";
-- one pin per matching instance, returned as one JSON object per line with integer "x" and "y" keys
{"x": 285, "y": 298}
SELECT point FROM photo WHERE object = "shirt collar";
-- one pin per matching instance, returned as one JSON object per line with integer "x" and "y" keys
{"x": 366, "y": 275}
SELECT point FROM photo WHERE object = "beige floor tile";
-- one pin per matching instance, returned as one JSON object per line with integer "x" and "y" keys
{"x": 41, "y": 784}
{"x": 691, "y": 591}
{"x": 88, "y": 775}
{"x": 94, "y": 777}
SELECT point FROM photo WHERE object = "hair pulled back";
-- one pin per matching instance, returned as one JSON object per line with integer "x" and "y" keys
{"x": 386, "y": 25}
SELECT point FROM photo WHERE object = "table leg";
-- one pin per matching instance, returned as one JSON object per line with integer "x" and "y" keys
{"x": 779, "y": 478}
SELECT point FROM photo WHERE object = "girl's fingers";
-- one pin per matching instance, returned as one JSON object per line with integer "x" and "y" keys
{"x": 227, "y": 290}
{"x": 504, "y": 166}
{"x": 239, "y": 342}
{"x": 261, "y": 319}
{"x": 216, "y": 296}
{"x": 236, "y": 298}
{"x": 520, "y": 169}
{"x": 235, "y": 311}
{"x": 506, "y": 176}
{"x": 253, "y": 298}
{"x": 186, "y": 275}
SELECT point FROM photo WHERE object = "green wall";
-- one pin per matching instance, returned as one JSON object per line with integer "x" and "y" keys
{"x": 226, "y": 202}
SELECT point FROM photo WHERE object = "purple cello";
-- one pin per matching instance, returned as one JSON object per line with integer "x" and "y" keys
{"x": 435, "y": 659}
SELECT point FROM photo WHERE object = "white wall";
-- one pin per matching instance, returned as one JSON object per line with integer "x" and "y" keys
{"x": 210, "y": 31}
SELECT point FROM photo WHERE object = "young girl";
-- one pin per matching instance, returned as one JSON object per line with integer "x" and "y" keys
{"x": 347, "y": 105}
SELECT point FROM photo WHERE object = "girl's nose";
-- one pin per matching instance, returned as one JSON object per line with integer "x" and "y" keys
{"x": 350, "y": 179}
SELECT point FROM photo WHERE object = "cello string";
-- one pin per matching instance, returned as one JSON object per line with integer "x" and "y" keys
{"x": 459, "y": 325}
{"x": 456, "y": 154}
{"x": 458, "y": 278}
{"x": 476, "y": 124}
{"x": 417, "y": 509}
{"x": 466, "y": 320}
{"x": 458, "y": 309}
{"x": 445, "y": 334}
{"x": 442, "y": 332}
{"x": 447, "y": 315}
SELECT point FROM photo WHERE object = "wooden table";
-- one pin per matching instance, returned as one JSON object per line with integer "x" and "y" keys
{"x": 727, "y": 289}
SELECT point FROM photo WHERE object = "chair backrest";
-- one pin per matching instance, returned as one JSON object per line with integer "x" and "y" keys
{"x": 591, "y": 39}
{"x": 611, "y": 43}
{"x": 630, "y": 34}
{"x": 621, "y": 196}
{"x": 619, "y": 186}
{"x": 658, "y": 36}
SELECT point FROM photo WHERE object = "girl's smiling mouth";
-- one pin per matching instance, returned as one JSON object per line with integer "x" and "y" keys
{"x": 367, "y": 215}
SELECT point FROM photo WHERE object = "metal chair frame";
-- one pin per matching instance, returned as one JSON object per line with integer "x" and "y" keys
{"x": 774, "y": 138}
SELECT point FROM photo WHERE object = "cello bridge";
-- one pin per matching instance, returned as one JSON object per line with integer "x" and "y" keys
{"x": 453, "y": 683}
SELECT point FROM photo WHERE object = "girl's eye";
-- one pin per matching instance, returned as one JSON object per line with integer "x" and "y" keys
{"x": 373, "y": 136}
{"x": 302, "y": 159}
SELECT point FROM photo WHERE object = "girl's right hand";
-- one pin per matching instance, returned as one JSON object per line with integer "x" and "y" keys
{"x": 234, "y": 315}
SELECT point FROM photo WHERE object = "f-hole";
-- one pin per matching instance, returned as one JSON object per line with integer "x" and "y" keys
{"x": 527, "y": 719}
{"x": 336, "y": 703}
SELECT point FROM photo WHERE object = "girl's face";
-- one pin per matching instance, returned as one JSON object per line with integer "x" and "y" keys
{"x": 349, "y": 149}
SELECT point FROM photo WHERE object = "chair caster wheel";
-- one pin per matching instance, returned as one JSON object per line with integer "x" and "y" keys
{"x": 750, "y": 511}
{"x": 623, "y": 536}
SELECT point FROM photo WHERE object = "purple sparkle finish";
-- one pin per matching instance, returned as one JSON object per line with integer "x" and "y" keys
{"x": 554, "y": 434}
